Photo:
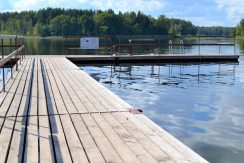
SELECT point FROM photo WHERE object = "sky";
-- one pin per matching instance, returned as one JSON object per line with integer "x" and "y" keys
{"x": 199, "y": 12}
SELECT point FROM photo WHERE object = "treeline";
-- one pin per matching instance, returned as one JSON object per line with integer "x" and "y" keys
{"x": 61, "y": 22}
{"x": 216, "y": 31}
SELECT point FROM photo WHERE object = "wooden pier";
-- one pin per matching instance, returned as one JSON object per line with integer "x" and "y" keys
{"x": 51, "y": 111}
{"x": 163, "y": 58}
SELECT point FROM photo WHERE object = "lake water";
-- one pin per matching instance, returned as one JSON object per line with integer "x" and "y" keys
{"x": 5, "y": 72}
{"x": 202, "y": 105}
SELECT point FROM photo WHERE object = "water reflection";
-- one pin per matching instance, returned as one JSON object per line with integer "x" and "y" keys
{"x": 241, "y": 44}
{"x": 166, "y": 74}
{"x": 55, "y": 46}
{"x": 6, "y": 74}
{"x": 202, "y": 104}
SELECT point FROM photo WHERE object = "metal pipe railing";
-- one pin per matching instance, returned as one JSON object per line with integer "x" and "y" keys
{"x": 17, "y": 54}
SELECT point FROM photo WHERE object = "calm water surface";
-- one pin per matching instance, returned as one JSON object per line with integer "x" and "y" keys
{"x": 201, "y": 105}
{"x": 5, "y": 73}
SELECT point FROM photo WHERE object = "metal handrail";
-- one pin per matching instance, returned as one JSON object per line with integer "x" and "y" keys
{"x": 18, "y": 45}
{"x": 10, "y": 36}
{"x": 170, "y": 46}
{"x": 182, "y": 50}
{"x": 10, "y": 56}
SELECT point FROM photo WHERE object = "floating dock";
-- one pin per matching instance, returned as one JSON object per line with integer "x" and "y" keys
{"x": 163, "y": 58}
{"x": 51, "y": 111}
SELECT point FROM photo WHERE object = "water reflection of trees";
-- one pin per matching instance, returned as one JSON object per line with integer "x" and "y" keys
{"x": 199, "y": 72}
{"x": 242, "y": 44}
{"x": 41, "y": 46}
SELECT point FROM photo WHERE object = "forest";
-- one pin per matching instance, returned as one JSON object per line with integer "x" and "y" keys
{"x": 63, "y": 22}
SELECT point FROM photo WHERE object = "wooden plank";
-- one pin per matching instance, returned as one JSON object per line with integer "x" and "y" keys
{"x": 16, "y": 148}
{"x": 31, "y": 140}
{"x": 162, "y": 58}
{"x": 78, "y": 97}
{"x": 130, "y": 140}
{"x": 150, "y": 146}
{"x": 61, "y": 150}
{"x": 34, "y": 108}
{"x": 172, "y": 141}
{"x": 9, "y": 97}
{"x": 13, "y": 112}
{"x": 89, "y": 106}
{"x": 1, "y": 123}
{"x": 45, "y": 139}
{"x": 14, "y": 109}
{"x": 107, "y": 150}
{"x": 76, "y": 85}
{"x": 103, "y": 94}
{"x": 54, "y": 100}
{"x": 119, "y": 145}
{"x": 11, "y": 80}
{"x": 75, "y": 147}
{"x": 63, "y": 94}
{"x": 6, "y": 137}
{"x": 92, "y": 151}
{"x": 73, "y": 91}
{"x": 26, "y": 92}
{"x": 60, "y": 146}
{"x": 17, "y": 137}
{"x": 42, "y": 109}
{"x": 163, "y": 144}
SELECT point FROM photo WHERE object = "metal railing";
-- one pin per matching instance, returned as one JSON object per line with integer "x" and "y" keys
{"x": 230, "y": 41}
{"x": 14, "y": 44}
{"x": 105, "y": 43}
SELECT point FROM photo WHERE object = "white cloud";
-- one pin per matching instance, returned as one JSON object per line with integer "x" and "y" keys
{"x": 203, "y": 21}
{"x": 37, "y": 4}
{"x": 197, "y": 20}
{"x": 146, "y": 6}
{"x": 234, "y": 8}
{"x": 125, "y": 5}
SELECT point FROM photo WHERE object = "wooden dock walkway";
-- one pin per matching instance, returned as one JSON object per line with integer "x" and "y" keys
{"x": 52, "y": 111}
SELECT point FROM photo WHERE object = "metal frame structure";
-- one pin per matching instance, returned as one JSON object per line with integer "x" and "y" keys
{"x": 12, "y": 42}
{"x": 200, "y": 44}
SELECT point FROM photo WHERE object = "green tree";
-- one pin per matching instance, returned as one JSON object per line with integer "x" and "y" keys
{"x": 60, "y": 22}
{"x": 61, "y": 25}
{"x": 240, "y": 28}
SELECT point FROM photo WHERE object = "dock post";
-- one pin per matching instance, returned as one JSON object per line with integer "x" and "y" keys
{"x": 3, "y": 66}
{"x": 24, "y": 48}
{"x": 11, "y": 68}
{"x": 66, "y": 50}
{"x": 19, "y": 45}
{"x": 3, "y": 80}
{"x": 2, "y": 48}
{"x": 130, "y": 49}
{"x": 17, "y": 52}
{"x": 170, "y": 47}
{"x": 199, "y": 49}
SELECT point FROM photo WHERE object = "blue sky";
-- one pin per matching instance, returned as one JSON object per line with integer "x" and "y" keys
{"x": 200, "y": 12}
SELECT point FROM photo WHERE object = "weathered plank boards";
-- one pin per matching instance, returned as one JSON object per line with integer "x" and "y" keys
{"x": 54, "y": 112}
